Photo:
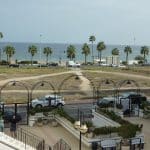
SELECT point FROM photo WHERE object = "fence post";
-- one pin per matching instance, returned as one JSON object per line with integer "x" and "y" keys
{"x": 43, "y": 145}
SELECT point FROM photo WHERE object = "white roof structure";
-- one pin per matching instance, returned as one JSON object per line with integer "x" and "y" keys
{"x": 137, "y": 140}
{"x": 108, "y": 143}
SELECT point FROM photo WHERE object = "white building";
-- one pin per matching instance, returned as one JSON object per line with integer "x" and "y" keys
{"x": 113, "y": 60}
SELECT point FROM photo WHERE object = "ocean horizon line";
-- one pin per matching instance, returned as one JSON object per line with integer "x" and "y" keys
{"x": 72, "y": 43}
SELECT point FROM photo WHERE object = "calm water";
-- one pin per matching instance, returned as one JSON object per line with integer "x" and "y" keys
{"x": 59, "y": 51}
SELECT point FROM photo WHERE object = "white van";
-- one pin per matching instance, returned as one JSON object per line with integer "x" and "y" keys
{"x": 71, "y": 63}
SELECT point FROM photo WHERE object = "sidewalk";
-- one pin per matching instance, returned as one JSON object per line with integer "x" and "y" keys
{"x": 54, "y": 134}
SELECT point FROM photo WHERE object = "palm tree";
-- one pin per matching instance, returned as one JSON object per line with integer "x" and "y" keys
{"x": 100, "y": 47}
{"x": 92, "y": 39}
{"x": 1, "y": 36}
{"x": 85, "y": 50}
{"x": 10, "y": 51}
{"x": 115, "y": 51}
{"x": 47, "y": 51}
{"x": 32, "y": 50}
{"x": 127, "y": 50}
{"x": 144, "y": 52}
{"x": 71, "y": 52}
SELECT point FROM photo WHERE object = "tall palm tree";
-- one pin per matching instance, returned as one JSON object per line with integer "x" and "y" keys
{"x": 85, "y": 50}
{"x": 47, "y": 51}
{"x": 32, "y": 50}
{"x": 144, "y": 52}
{"x": 92, "y": 39}
{"x": 100, "y": 47}
{"x": 127, "y": 50}
{"x": 1, "y": 36}
{"x": 71, "y": 52}
{"x": 10, "y": 51}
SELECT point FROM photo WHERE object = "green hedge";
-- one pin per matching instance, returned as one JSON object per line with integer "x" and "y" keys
{"x": 62, "y": 113}
{"x": 126, "y": 130}
{"x": 105, "y": 130}
{"x": 38, "y": 110}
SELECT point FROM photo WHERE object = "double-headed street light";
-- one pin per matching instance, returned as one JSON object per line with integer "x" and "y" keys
{"x": 81, "y": 127}
{"x": 40, "y": 49}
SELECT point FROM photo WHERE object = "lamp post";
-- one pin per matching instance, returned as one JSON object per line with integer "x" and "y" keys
{"x": 81, "y": 127}
{"x": 40, "y": 49}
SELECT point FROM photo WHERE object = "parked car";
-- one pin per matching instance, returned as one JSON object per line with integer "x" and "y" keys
{"x": 8, "y": 115}
{"x": 48, "y": 101}
{"x": 14, "y": 65}
{"x": 73, "y": 64}
{"x": 136, "y": 98}
{"x": 106, "y": 102}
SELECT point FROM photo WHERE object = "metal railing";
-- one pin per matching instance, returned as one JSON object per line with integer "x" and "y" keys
{"x": 30, "y": 139}
{"x": 61, "y": 145}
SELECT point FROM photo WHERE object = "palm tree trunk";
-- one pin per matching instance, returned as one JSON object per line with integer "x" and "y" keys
{"x": 127, "y": 58}
{"x": 144, "y": 58}
{"x": 100, "y": 52}
{"x": 85, "y": 59}
{"x": 98, "y": 55}
{"x": 92, "y": 53}
{"x": 47, "y": 59}
{"x": 9, "y": 60}
{"x": 31, "y": 60}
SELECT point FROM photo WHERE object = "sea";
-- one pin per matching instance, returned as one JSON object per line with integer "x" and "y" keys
{"x": 59, "y": 52}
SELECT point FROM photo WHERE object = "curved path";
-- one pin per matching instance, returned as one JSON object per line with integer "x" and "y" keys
{"x": 85, "y": 84}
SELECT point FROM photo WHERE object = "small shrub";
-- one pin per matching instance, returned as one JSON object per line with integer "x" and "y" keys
{"x": 128, "y": 131}
{"x": 39, "y": 120}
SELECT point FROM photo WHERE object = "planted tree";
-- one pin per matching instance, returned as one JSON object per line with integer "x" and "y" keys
{"x": 140, "y": 59}
{"x": 9, "y": 51}
{"x": 71, "y": 52}
{"x": 32, "y": 50}
{"x": 85, "y": 51}
{"x": 115, "y": 51}
{"x": 127, "y": 50}
{"x": 144, "y": 52}
{"x": 100, "y": 47}
{"x": 92, "y": 39}
{"x": 47, "y": 51}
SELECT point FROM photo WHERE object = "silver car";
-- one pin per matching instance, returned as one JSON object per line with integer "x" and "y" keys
{"x": 48, "y": 100}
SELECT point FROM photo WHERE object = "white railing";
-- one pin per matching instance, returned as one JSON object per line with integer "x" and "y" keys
{"x": 13, "y": 143}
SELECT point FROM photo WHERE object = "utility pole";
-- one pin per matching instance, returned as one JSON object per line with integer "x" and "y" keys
{"x": 40, "y": 49}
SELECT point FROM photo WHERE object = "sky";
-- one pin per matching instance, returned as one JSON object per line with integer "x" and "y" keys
{"x": 124, "y": 22}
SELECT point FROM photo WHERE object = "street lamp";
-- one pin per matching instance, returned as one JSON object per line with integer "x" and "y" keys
{"x": 81, "y": 127}
{"x": 40, "y": 49}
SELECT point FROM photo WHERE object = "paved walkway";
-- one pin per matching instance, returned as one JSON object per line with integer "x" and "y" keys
{"x": 54, "y": 134}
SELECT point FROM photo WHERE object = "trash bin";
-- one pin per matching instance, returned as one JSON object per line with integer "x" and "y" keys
{"x": 94, "y": 146}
